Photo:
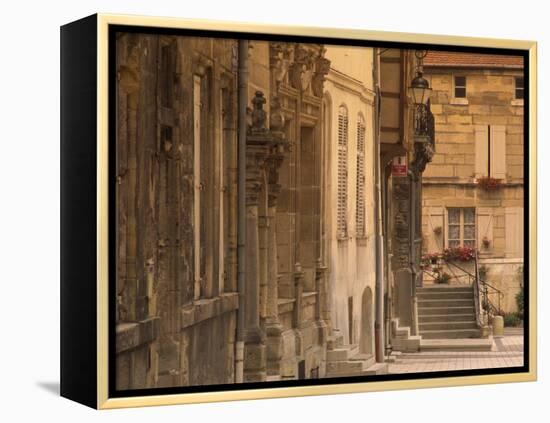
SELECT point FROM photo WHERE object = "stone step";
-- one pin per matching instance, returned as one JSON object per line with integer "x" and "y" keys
{"x": 456, "y": 344}
{"x": 436, "y": 318}
{"x": 428, "y": 311}
{"x": 367, "y": 359}
{"x": 344, "y": 368}
{"x": 450, "y": 334}
{"x": 335, "y": 341}
{"x": 446, "y": 325}
{"x": 448, "y": 288}
{"x": 402, "y": 331}
{"x": 342, "y": 353}
{"x": 445, "y": 303}
{"x": 443, "y": 295}
{"x": 376, "y": 369}
{"x": 356, "y": 365}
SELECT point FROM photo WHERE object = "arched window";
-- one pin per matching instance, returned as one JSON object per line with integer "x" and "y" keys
{"x": 341, "y": 222}
{"x": 360, "y": 186}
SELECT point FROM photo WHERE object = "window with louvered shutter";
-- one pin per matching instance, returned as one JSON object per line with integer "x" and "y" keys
{"x": 360, "y": 186}
{"x": 342, "y": 172}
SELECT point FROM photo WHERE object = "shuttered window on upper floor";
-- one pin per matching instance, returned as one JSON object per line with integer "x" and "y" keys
{"x": 490, "y": 149}
{"x": 342, "y": 189}
{"x": 360, "y": 224}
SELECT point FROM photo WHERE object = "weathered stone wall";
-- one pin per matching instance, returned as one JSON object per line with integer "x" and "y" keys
{"x": 450, "y": 179}
{"x": 164, "y": 265}
{"x": 296, "y": 79}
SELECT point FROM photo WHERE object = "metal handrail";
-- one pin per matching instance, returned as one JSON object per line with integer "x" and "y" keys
{"x": 477, "y": 298}
{"x": 485, "y": 284}
{"x": 483, "y": 304}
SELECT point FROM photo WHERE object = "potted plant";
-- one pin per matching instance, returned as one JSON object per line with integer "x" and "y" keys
{"x": 442, "y": 278}
{"x": 438, "y": 230}
{"x": 488, "y": 183}
{"x": 486, "y": 242}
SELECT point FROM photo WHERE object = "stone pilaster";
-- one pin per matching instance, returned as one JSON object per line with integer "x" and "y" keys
{"x": 298, "y": 309}
{"x": 322, "y": 308}
{"x": 254, "y": 347}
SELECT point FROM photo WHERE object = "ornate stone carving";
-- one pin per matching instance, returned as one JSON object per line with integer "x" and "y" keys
{"x": 280, "y": 58}
{"x": 322, "y": 68}
{"x": 277, "y": 117}
{"x": 307, "y": 72}
{"x": 302, "y": 69}
{"x": 259, "y": 115}
{"x": 253, "y": 188}
{"x": 423, "y": 154}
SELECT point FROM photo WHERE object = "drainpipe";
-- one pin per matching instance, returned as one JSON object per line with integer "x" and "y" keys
{"x": 241, "y": 205}
{"x": 412, "y": 250}
{"x": 379, "y": 283}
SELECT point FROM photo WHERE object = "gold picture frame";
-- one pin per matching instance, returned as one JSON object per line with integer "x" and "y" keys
{"x": 91, "y": 386}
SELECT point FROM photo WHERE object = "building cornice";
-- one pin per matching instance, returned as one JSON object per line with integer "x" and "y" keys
{"x": 351, "y": 85}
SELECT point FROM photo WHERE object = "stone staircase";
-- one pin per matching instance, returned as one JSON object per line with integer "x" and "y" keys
{"x": 447, "y": 312}
{"x": 346, "y": 360}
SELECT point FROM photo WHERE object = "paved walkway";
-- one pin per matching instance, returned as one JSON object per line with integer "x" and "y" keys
{"x": 506, "y": 352}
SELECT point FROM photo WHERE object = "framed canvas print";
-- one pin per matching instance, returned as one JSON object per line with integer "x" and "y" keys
{"x": 255, "y": 212}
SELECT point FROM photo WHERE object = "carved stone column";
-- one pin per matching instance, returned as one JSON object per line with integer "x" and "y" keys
{"x": 254, "y": 347}
{"x": 257, "y": 149}
{"x": 272, "y": 325}
{"x": 322, "y": 307}
{"x": 298, "y": 312}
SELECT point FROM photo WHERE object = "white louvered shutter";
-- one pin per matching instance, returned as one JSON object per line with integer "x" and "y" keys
{"x": 360, "y": 224}
{"x": 341, "y": 223}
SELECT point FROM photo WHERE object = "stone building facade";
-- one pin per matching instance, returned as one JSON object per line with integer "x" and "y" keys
{"x": 478, "y": 107}
{"x": 349, "y": 193}
{"x": 402, "y": 141}
{"x": 321, "y": 278}
{"x": 283, "y": 241}
{"x": 178, "y": 296}
{"x": 176, "y": 216}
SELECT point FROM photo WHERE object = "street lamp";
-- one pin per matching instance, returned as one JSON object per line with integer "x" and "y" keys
{"x": 420, "y": 90}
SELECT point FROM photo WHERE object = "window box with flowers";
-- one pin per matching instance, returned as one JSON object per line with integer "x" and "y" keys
{"x": 459, "y": 254}
{"x": 488, "y": 183}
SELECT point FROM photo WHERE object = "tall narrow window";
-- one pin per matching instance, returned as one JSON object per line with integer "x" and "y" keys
{"x": 461, "y": 227}
{"x": 519, "y": 88}
{"x": 221, "y": 191}
{"x": 360, "y": 187}
{"x": 167, "y": 66}
{"x": 197, "y": 183}
{"x": 341, "y": 223}
{"x": 460, "y": 87}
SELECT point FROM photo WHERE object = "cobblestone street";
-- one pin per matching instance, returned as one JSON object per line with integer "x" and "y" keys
{"x": 506, "y": 352}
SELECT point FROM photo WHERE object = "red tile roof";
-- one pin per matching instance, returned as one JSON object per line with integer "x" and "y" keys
{"x": 471, "y": 60}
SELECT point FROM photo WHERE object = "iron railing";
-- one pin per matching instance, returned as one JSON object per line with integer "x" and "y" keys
{"x": 487, "y": 297}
